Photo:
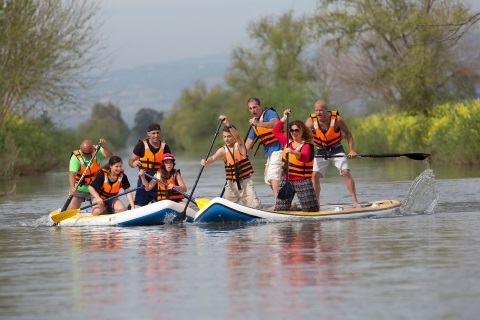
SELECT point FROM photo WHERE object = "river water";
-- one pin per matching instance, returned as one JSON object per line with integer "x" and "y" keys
{"x": 423, "y": 264}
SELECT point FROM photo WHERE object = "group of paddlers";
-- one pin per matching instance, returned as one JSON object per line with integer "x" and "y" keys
{"x": 297, "y": 157}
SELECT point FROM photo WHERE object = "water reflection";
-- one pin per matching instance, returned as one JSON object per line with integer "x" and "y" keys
{"x": 287, "y": 259}
{"x": 103, "y": 272}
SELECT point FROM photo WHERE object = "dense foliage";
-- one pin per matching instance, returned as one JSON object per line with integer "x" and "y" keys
{"x": 32, "y": 145}
{"x": 408, "y": 53}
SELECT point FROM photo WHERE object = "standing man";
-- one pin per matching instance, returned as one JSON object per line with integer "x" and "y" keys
{"x": 79, "y": 161}
{"x": 148, "y": 153}
{"x": 239, "y": 186}
{"x": 327, "y": 127}
{"x": 262, "y": 124}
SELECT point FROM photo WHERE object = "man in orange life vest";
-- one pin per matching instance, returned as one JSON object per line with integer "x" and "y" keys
{"x": 148, "y": 153}
{"x": 327, "y": 127}
{"x": 239, "y": 186}
{"x": 79, "y": 161}
{"x": 262, "y": 124}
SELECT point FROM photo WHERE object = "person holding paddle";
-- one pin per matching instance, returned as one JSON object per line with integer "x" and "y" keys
{"x": 147, "y": 154}
{"x": 261, "y": 126}
{"x": 327, "y": 127}
{"x": 84, "y": 162}
{"x": 297, "y": 160}
{"x": 107, "y": 184}
{"x": 239, "y": 185}
{"x": 170, "y": 176}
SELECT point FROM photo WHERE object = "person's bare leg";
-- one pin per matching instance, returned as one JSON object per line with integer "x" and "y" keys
{"x": 274, "y": 185}
{"x": 316, "y": 184}
{"x": 350, "y": 186}
{"x": 75, "y": 203}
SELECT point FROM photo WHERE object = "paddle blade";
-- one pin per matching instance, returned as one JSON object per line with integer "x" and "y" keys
{"x": 286, "y": 191}
{"x": 417, "y": 156}
{"x": 201, "y": 202}
{"x": 180, "y": 217}
{"x": 59, "y": 216}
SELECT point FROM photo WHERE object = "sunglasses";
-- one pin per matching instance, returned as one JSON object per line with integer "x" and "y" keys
{"x": 87, "y": 154}
{"x": 294, "y": 130}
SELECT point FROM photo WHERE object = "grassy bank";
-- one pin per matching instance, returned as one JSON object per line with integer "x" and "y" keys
{"x": 451, "y": 134}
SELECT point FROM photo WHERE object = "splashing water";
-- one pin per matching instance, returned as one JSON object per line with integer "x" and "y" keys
{"x": 422, "y": 196}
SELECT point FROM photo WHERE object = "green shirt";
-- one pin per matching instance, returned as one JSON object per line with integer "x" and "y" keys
{"x": 75, "y": 166}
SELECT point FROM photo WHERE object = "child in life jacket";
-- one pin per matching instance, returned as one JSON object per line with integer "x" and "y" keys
{"x": 170, "y": 180}
{"x": 107, "y": 183}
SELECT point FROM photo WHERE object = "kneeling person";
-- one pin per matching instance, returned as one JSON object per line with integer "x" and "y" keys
{"x": 106, "y": 184}
{"x": 171, "y": 178}
{"x": 239, "y": 186}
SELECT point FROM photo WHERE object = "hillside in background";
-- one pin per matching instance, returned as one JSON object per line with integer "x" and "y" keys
{"x": 151, "y": 86}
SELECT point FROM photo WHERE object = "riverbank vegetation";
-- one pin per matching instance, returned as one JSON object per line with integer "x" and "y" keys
{"x": 405, "y": 75}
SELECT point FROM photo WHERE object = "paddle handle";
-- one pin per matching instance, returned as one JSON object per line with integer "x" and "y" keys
{"x": 112, "y": 197}
{"x": 414, "y": 156}
{"x": 183, "y": 215}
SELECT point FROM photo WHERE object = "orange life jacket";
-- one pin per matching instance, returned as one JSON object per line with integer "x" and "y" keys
{"x": 265, "y": 134}
{"x": 236, "y": 166}
{"x": 329, "y": 139}
{"x": 108, "y": 188}
{"x": 295, "y": 166}
{"x": 94, "y": 167}
{"x": 151, "y": 161}
{"x": 163, "y": 193}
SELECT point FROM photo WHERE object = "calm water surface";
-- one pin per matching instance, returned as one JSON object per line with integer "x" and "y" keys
{"x": 423, "y": 264}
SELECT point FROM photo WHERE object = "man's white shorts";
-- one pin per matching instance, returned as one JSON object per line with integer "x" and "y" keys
{"x": 273, "y": 167}
{"x": 321, "y": 165}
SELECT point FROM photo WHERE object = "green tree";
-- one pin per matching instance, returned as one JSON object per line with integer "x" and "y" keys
{"x": 47, "y": 47}
{"x": 33, "y": 145}
{"x": 399, "y": 51}
{"x": 277, "y": 57}
{"x": 194, "y": 117}
{"x": 143, "y": 118}
{"x": 106, "y": 122}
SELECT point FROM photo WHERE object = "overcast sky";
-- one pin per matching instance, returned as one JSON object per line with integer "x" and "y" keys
{"x": 140, "y": 32}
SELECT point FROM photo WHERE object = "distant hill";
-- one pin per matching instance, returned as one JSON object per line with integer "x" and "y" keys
{"x": 154, "y": 86}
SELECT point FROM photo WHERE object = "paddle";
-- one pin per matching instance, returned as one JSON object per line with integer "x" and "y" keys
{"x": 182, "y": 215}
{"x": 200, "y": 202}
{"x": 57, "y": 217}
{"x": 286, "y": 191}
{"x": 413, "y": 156}
{"x": 70, "y": 197}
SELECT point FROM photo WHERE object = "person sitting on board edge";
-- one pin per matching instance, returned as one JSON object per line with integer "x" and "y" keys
{"x": 168, "y": 174}
{"x": 300, "y": 150}
{"x": 327, "y": 127}
{"x": 79, "y": 162}
{"x": 262, "y": 124}
{"x": 239, "y": 186}
{"x": 148, "y": 153}
{"x": 107, "y": 183}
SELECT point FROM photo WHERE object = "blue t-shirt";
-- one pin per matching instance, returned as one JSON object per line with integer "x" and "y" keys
{"x": 275, "y": 146}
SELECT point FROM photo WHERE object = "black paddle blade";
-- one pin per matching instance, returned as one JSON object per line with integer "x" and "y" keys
{"x": 180, "y": 217}
{"x": 286, "y": 191}
{"x": 417, "y": 156}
